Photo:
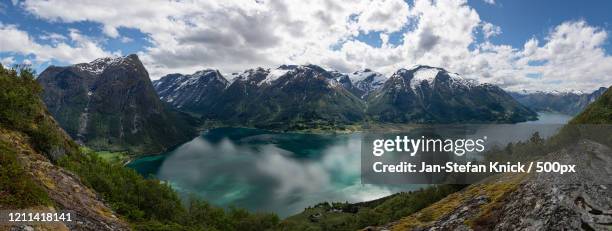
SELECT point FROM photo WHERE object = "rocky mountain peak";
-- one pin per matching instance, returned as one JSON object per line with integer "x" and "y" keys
{"x": 97, "y": 66}
{"x": 420, "y": 76}
{"x": 116, "y": 91}
{"x": 364, "y": 81}
{"x": 207, "y": 75}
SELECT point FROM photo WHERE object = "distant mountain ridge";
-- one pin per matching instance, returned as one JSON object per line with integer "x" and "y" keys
{"x": 425, "y": 94}
{"x": 570, "y": 103}
{"x": 191, "y": 92}
{"x": 288, "y": 97}
{"x": 303, "y": 96}
{"x": 110, "y": 104}
{"x": 598, "y": 112}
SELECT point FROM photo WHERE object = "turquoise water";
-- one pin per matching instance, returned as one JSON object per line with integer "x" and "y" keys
{"x": 277, "y": 172}
{"x": 266, "y": 171}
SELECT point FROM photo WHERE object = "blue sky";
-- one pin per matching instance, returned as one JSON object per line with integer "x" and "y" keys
{"x": 191, "y": 35}
{"x": 522, "y": 19}
{"x": 11, "y": 14}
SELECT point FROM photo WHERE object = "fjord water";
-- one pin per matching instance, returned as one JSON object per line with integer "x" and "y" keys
{"x": 274, "y": 172}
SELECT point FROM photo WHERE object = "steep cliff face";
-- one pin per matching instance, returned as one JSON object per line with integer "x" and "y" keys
{"x": 111, "y": 104}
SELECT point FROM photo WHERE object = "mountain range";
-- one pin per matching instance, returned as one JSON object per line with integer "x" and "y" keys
{"x": 425, "y": 94}
{"x": 309, "y": 96}
{"x": 110, "y": 104}
{"x": 570, "y": 103}
{"x": 43, "y": 169}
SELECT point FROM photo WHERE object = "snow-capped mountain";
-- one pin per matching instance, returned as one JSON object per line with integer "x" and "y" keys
{"x": 569, "y": 102}
{"x": 290, "y": 96}
{"x": 194, "y": 92}
{"x": 98, "y": 66}
{"x": 308, "y": 95}
{"x": 110, "y": 104}
{"x": 425, "y": 94}
{"x": 552, "y": 92}
{"x": 367, "y": 81}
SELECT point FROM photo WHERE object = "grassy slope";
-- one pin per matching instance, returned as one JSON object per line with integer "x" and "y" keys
{"x": 20, "y": 111}
{"x": 17, "y": 188}
{"x": 344, "y": 216}
{"x": 598, "y": 112}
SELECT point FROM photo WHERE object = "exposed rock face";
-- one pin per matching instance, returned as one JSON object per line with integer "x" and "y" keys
{"x": 65, "y": 190}
{"x": 426, "y": 94}
{"x": 536, "y": 201}
{"x": 554, "y": 201}
{"x": 570, "y": 103}
{"x": 111, "y": 104}
{"x": 194, "y": 93}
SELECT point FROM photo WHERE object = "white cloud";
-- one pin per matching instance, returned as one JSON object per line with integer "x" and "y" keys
{"x": 235, "y": 35}
{"x": 386, "y": 15}
{"x": 490, "y": 30}
{"x": 14, "y": 40}
{"x": 126, "y": 39}
{"x": 110, "y": 31}
{"x": 573, "y": 55}
{"x": 53, "y": 37}
{"x": 492, "y": 2}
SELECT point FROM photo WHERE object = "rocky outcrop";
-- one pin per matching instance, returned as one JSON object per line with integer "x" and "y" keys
{"x": 66, "y": 191}
{"x": 537, "y": 201}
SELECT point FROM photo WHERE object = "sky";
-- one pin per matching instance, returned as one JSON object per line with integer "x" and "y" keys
{"x": 539, "y": 45}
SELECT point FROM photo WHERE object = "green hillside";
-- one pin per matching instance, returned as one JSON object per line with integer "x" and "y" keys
{"x": 598, "y": 112}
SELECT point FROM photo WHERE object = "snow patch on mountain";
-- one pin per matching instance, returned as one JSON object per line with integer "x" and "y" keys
{"x": 367, "y": 80}
{"x": 551, "y": 92}
{"x": 427, "y": 75}
{"x": 360, "y": 75}
{"x": 457, "y": 80}
{"x": 98, "y": 66}
{"x": 366, "y": 74}
{"x": 273, "y": 75}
